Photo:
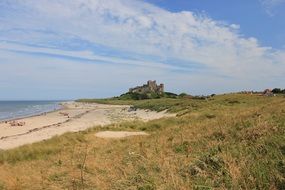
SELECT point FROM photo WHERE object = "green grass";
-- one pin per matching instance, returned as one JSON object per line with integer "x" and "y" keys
{"x": 41, "y": 150}
{"x": 170, "y": 104}
{"x": 228, "y": 142}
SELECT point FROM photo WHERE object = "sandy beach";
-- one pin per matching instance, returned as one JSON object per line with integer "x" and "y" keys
{"x": 72, "y": 117}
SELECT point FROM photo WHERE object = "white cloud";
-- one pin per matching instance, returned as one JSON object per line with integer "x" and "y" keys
{"x": 82, "y": 55}
{"x": 137, "y": 28}
{"x": 270, "y": 5}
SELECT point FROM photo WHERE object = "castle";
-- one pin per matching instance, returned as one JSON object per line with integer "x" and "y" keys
{"x": 150, "y": 87}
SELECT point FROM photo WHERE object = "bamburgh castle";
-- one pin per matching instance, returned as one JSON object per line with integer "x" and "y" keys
{"x": 150, "y": 87}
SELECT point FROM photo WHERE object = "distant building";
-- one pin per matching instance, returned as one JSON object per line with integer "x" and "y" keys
{"x": 267, "y": 92}
{"x": 150, "y": 87}
{"x": 247, "y": 92}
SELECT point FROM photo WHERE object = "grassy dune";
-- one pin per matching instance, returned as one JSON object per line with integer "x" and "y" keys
{"x": 228, "y": 142}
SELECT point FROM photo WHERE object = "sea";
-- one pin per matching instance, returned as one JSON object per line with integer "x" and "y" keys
{"x": 19, "y": 109}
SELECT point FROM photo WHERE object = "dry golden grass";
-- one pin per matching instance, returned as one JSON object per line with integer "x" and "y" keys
{"x": 230, "y": 142}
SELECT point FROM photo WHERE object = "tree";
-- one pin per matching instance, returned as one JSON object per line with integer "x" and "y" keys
{"x": 277, "y": 91}
{"x": 182, "y": 95}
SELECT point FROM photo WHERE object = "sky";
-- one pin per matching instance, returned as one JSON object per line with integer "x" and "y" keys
{"x": 62, "y": 49}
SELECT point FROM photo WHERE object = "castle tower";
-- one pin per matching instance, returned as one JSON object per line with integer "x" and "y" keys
{"x": 161, "y": 88}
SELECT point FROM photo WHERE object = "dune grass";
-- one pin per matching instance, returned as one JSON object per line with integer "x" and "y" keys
{"x": 229, "y": 142}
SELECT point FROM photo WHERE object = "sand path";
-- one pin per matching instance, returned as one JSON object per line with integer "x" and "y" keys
{"x": 81, "y": 116}
{"x": 118, "y": 134}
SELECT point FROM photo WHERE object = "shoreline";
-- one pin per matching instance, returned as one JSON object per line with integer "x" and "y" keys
{"x": 72, "y": 117}
{"x": 28, "y": 116}
{"x": 61, "y": 107}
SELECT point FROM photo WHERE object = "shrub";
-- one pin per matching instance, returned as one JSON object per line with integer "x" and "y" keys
{"x": 182, "y": 148}
{"x": 277, "y": 91}
{"x": 170, "y": 95}
{"x": 182, "y": 95}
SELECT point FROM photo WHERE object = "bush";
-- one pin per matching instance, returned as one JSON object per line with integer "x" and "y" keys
{"x": 182, "y": 95}
{"x": 154, "y": 95}
{"x": 277, "y": 91}
{"x": 133, "y": 96}
{"x": 170, "y": 95}
{"x": 182, "y": 148}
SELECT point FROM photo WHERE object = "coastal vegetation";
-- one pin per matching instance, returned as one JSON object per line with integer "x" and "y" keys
{"x": 147, "y": 96}
{"x": 278, "y": 91}
{"x": 233, "y": 141}
{"x": 143, "y": 96}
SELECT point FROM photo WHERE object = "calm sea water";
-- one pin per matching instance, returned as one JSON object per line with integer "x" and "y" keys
{"x": 18, "y": 109}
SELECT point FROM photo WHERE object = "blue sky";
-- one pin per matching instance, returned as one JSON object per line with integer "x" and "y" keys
{"x": 61, "y": 49}
{"x": 262, "y": 19}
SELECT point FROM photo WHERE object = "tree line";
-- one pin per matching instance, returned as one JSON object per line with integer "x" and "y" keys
{"x": 278, "y": 91}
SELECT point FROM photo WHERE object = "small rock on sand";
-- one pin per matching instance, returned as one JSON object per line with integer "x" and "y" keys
{"x": 118, "y": 134}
